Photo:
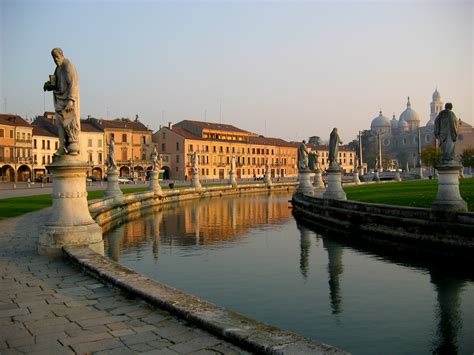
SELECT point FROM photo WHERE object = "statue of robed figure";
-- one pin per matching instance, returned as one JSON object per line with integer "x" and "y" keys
{"x": 446, "y": 131}
{"x": 302, "y": 156}
{"x": 334, "y": 142}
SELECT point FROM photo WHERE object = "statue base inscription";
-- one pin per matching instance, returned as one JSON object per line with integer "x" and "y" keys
{"x": 70, "y": 221}
{"x": 334, "y": 190}
{"x": 113, "y": 189}
{"x": 318, "y": 182}
{"x": 448, "y": 199}
{"x": 305, "y": 187}
{"x": 154, "y": 184}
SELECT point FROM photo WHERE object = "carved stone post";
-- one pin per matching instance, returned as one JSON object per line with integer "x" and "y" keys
{"x": 113, "y": 189}
{"x": 154, "y": 183}
{"x": 318, "y": 182}
{"x": 334, "y": 190}
{"x": 305, "y": 187}
{"x": 448, "y": 199}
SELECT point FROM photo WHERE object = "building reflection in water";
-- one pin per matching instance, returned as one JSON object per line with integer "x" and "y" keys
{"x": 305, "y": 247}
{"x": 210, "y": 222}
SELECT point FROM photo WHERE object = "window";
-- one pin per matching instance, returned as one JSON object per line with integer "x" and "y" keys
{"x": 164, "y": 135}
{"x": 163, "y": 147}
{"x": 48, "y": 144}
{"x": 190, "y": 148}
{"x": 29, "y": 136}
{"x": 43, "y": 144}
{"x": 35, "y": 159}
{"x": 2, "y": 133}
{"x": 56, "y": 145}
{"x": 228, "y": 160}
{"x": 214, "y": 149}
{"x": 177, "y": 146}
{"x": 23, "y": 136}
{"x": 227, "y": 150}
{"x": 124, "y": 137}
{"x": 34, "y": 143}
{"x": 89, "y": 159}
{"x": 18, "y": 135}
{"x": 253, "y": 150}
{"x": 233, "y": 150}
{"x": 221, "y": 149}
{"x": 100, "y": 158}
{"x": 177, "y": 159}
{"x": 49, "y": 159}
{"x": 44, "y": 160}
{"x": 143, "y": 139}
{"x": 112, "y": 136}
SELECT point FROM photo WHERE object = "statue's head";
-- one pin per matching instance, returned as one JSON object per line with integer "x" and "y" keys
{"x": 58, "y": 56}
{"x": 448, "y": 106}
{"x": 304, "y": 142}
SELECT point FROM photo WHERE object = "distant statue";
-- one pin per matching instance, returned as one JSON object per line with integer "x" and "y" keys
{"x": 313, "y": 161}
{"x": 232, "y": 164}
{"x": 267, "y": 167}
{"x": 195, "y": 163}
{"x": 446, "y": 130}
{"x": 64, "y": 84}
{"x": 110, "y": 162}
{"x": 302, "y": 156}
{"x": 154, "y": 160}
{"x": 334, "y": 142}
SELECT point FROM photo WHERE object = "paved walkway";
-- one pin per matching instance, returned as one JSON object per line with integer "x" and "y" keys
{"x": 48, "y": 307}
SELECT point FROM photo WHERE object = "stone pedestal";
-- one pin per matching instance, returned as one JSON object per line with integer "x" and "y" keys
{"x": 232, "y": 180}
{"x": 334, "y": 189}
{"x": 419, "y": 172}
{"x": 113, "y": 189}
{"x": 448, "y": 200}
{"x": 318, "y": 182}
{"x": 70, "y": 222}
{"x": 397, "y": 176}
{"x": 356, "y": 177}
{"x": 376, "y": 177}
{"x": 154, "y": 183}
{"x": 195, "y": 182}
{"x": 267, "y": 179}
{"x": 305, "y": 187}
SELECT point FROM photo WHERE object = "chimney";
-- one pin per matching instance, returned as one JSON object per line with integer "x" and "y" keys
{"x": 170, "y": 125}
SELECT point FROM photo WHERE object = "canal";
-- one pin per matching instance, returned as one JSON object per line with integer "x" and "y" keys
{"x": 250, "y": 255}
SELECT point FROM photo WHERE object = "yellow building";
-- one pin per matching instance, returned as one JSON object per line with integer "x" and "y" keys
{"x": 346, "y": 157}
{"x": 15, "y": 148}
{"x": 216, "y": 144}
{"x": 45, "y": 144}
{"x": 92, "y": 149}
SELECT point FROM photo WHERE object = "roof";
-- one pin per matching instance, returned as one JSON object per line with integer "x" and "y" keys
{"x": 270, "y": 141}
{"x": 121, "y": 123}
{"x": 185, "y": 133}
{"x": 89, "y": 127}
{"x": 13, "y": 120}
{"x": 211, "y": 126}
{"x": 40, "y": 131}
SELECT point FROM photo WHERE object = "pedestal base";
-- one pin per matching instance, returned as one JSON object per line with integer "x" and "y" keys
{"x": 195, "y": 182}
{"x": 305, "y": 186}
{"x": 267, "y": 179}
{"x": 70, "y": 221}
{"x": 376, "y": 177}
{"x": 113, "y": 189}
{"x": 356, "y": 178}
{"x": 419, "y": 172}
{"x": 232, "y": 180}
{"x": 318, "y": 182}
{"x": 154, "y": 184}
{"x": 448, "y": 199}
{"x": 397, "y": 176}
{"x": 334, "y": 190}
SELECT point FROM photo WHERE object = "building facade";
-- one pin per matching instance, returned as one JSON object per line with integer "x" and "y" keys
{"x": 346, "y": 157}
{"x": 216, "y": 144}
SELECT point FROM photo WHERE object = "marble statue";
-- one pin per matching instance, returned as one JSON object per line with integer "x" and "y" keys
{"x": 313, "y": 161}
{"x": 232, "y": 165}
{"x": 195, "y": 163}
{"x": 154, "y": 160}
{"x": 65, "y": 87}
{"x": 110, "y": 162}
{"x": 302, "y": 156}
{"x": 334, "y": 142}
{"x": 446, "y": 131}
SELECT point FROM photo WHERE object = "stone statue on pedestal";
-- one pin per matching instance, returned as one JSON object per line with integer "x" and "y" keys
{"x": 64, "y": 84}
{"x": 154, "y": 160}
{"x": 195, "y": 163}
{"x": 232, "y": 165}
{"x": 313, "y": 164}
{"x": 334, "y": 142}
{"x": 110, "y": 162}
{"x": 446, "y": 131}
{"x": 302, "y": 156}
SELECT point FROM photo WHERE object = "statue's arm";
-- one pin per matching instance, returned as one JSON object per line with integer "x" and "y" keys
{"x": 71, "y": 80}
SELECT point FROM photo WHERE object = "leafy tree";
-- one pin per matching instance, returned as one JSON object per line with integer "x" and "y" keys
{"x": 431, "y": 156}
{"x": 467, "y": 157}
{"x": 316, "y": 140}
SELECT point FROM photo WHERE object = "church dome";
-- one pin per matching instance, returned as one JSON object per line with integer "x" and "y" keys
{"x": 409, "y": 115}
{"x": 404, "y": 126}
{"x": 436, "y": 95}
{"x": 430, "y": 123}
{"x": 380, "y": 122}
{"x": 394, "y": 122}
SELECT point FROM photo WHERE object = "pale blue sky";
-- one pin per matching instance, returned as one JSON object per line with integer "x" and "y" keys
{"x": 296, "y": 68}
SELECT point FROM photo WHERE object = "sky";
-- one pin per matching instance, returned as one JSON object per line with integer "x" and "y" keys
{"x": 287, "y": 69}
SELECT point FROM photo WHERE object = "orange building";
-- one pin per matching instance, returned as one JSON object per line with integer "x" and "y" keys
{"x": 216, "y": 144}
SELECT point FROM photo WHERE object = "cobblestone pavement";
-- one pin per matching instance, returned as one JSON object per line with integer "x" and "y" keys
{"x": 47, "y": 306}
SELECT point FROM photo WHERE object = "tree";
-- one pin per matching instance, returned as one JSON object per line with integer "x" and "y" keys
{"x": 315, "y": 140}
{"x": 431, "y": 156}
{"x": 467, "y": 158}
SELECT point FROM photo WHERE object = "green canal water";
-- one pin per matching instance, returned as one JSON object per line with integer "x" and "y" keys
{"x": 250, "y": 255}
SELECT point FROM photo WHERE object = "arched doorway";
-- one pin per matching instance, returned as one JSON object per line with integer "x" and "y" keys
{"x": 97, "y": 173}
{"x": 139, "y": 173}
{"x": 8, "y": 173}
{"x": 124, "y": 171}
{"x": 166, "y": 172}
{"x": 24, "y": 173}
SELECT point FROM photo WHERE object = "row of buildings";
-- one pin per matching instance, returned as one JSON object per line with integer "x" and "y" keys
{"x": 26, "y": 149}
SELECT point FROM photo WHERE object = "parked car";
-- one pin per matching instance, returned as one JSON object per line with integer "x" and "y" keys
{"x": 124, "y": 180}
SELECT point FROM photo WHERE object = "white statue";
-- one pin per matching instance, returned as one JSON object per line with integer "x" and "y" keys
{"x": 232, "y": 164}
{"x": 110, "y": 162}
{"x": 302, "y": 156}
{"x": 154, "y": 160}
{"x": 195, "y": 163}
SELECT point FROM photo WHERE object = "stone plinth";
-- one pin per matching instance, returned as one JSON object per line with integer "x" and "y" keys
{"x": 154, "y": 183}
{"x": 232, "y": 179}
{"x": 195, "y": 182}
{"x": 70, "y": 222}
{"x": 305, "y": 186}
{"x": 334, "y": 189}
{"x": 448, "y": 200}
{"x": 267, "y": 179}
{"x": 113, "y": 189}
{"x": 397, "y": 176}
{"x": 318, "y": 182}
{"x": 376, "y": 177}
{"x": 356, "y": 179}
{"x": 419, "y": 172}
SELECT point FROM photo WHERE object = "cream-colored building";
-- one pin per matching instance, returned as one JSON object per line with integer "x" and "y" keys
{"x": 93, "y": 149}
{"x": 346, "y": 157}
{"x": 45, "y": 145}
{"x": 215, "y": 145}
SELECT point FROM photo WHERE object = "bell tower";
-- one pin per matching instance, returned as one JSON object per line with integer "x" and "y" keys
{"x": 436, "y": 105}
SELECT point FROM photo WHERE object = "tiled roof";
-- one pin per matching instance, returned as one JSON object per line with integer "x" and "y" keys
{"x": 270, "y": 141}
{"x": 13, "y": 120}
{"x": 89, "y": 127}
{"x": 213, "y": 126}
{"x": 185, "y": 133}
{"x": 123, "y": 124}
{"x": 40, "y": 131}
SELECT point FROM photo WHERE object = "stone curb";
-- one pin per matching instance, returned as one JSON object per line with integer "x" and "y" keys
{"x": 249, "y": 334}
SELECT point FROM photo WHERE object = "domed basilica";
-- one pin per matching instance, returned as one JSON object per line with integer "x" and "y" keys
{"x": 399, "y": 137}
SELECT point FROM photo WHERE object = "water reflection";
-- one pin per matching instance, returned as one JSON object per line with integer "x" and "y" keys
{"x": 335, "y": 269}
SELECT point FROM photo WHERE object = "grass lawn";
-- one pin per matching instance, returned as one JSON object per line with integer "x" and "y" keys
{"x": 414, "y": 193}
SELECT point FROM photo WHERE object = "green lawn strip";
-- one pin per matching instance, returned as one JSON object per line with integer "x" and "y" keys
{"x": 417, "y": 193}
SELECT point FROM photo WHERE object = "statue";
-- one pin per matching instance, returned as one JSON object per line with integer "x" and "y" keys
{"x": 232, "y": 164}
{"x": 302, "y": 156}
{"x": 446, "y": 131}
{"x": 154, "y": 160}
{"x": 313, "y": 161}
{"x": 334, "y": 142}
{"x": 110, "y": 162}
{"x": 195, "y": 163}
{"x": 65, "y": 87}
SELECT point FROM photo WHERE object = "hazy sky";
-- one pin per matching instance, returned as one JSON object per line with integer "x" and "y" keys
{"x": 289, "y": 69}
